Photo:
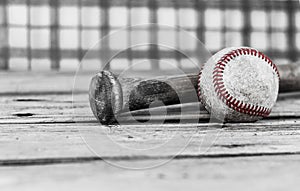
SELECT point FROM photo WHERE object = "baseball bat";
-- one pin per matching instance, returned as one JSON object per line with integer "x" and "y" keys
{"x": 110, "y": 95}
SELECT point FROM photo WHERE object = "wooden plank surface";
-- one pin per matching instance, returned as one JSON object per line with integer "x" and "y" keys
{"x": 65, "y": 117}
{"x": 68, "y": 107}
{"x": 242, "y": 173}
{"x": 47, "y": 141}
{"x": 33, "y": 83}
{"x": 49, "y": 138}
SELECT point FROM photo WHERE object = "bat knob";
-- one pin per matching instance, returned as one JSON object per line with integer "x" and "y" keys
{"x": 105, "y": 97}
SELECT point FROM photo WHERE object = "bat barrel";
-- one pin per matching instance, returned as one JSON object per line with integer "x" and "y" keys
{"x": 105, "y": 97}
{"x": 110, "y": 95}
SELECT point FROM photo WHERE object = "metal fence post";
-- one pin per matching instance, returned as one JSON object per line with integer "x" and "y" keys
{"x": 154, "y": 49}
{"x": 291, "y": 31}
{"x": 4, "y": 53}
{"x": 246, "y": 31}
{"x": 54, "y": 35}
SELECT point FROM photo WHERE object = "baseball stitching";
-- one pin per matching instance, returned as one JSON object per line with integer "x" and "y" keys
{"x": 199, "y": 92}
{"x": 227, "y": 98}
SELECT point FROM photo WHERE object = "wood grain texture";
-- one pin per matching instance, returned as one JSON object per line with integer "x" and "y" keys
{"x": 32, "y": 83}
{"x": 243, "y": 173}
{"x": 51, "y": 108}
{"x": 46, "y": 141}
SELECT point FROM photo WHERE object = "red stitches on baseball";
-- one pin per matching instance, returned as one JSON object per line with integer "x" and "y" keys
{"x": 220, "y": 87}
{"x": 239, "y": 84}
{"x": 198, "y": 91}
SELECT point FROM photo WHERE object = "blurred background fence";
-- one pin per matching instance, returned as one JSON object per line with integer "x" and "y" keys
{"x": 54, "y": 35}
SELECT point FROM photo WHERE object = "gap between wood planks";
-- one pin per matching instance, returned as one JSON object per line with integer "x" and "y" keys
{"x": 53, "y": 161}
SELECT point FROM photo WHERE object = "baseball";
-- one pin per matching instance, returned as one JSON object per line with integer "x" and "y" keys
{"x": 239, "y": 84}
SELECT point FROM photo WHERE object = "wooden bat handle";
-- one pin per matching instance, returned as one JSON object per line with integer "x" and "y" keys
{"x": 110, "y": 95}
{"x": 289, "y": 77}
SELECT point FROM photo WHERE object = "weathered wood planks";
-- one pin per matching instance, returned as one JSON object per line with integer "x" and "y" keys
{"x": 44, "y": 130}
{"x": 46, "y": 141}
{"x": 50, "y": 108}
{"x": 242, "y": 173}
